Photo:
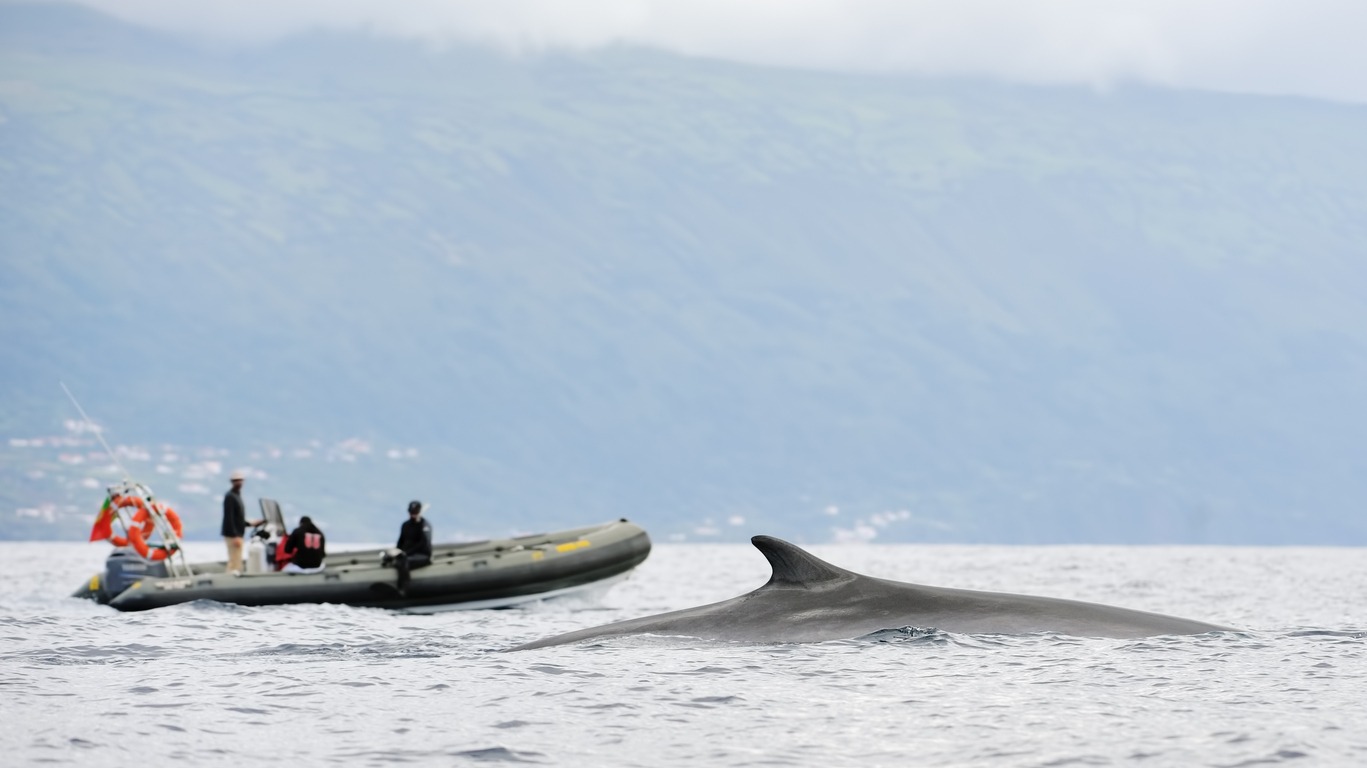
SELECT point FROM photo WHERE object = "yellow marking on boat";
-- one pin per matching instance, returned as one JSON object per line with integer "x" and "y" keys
{"x": 570, "y": 546}
{"x": 94, "y": 583}
{"x": 538, "y": 554}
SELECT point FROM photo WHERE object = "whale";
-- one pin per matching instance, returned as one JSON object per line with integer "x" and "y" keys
{"x": 808, "y": 600}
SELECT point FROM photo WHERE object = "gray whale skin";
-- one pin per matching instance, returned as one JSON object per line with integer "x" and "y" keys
{"x": 809, "y": 600}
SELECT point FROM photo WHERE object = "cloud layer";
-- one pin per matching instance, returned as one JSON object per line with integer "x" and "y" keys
{"x": 1303, "y": 47}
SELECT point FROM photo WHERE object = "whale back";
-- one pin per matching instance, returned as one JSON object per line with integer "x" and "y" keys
{"x": 809, "y": 600}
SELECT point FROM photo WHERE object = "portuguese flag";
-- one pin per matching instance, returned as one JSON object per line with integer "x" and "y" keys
{"x": 104, "y": 522}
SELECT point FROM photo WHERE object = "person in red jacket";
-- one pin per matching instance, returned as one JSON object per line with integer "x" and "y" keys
{"x": 306, "y": 548}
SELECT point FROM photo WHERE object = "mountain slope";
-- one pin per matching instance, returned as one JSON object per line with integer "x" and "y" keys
{"x": 625, "y": 283}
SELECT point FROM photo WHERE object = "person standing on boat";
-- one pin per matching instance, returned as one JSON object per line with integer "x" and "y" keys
{"x": 235, "y": 521}
{"x": 306, "y": 547}
{"x": 415, "y": 544}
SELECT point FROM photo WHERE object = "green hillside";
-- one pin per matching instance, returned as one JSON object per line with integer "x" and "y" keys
{"x": 622, "y": 283}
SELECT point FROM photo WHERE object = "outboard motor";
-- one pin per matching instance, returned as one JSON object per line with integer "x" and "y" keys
{"x": 122, "y": 568}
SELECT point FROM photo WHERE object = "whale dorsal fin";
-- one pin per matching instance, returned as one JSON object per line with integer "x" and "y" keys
{"x": 793, "y": 565}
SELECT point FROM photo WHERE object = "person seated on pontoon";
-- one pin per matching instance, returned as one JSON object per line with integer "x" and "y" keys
{"x": 306, "y": 548}
{"x": 414, "y": 548}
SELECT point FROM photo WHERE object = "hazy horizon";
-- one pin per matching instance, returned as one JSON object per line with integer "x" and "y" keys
{"x": 1274, "y": 47}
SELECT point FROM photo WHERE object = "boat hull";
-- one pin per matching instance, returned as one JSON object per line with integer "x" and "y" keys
{"x": 483, "y": 574}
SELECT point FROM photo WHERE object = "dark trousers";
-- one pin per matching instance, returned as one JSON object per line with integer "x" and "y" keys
{"x": 405, "y": 562}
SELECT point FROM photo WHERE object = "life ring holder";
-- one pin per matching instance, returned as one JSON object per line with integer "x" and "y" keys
{"x": 150, "y": 527}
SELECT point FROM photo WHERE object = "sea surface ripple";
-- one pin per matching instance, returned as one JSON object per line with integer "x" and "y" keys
{"x": 213, "y": 684}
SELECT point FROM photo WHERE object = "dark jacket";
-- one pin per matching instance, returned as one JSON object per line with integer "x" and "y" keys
{"x": 307, "y": 545}
{"x": 234, "y": 515}
{"x": 415, "y": 537}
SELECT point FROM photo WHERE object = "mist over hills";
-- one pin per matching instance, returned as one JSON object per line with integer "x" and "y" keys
{"x": 717, "y": 299}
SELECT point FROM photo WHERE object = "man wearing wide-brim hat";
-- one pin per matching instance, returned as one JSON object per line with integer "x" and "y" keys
{"x": 235, "y": 521}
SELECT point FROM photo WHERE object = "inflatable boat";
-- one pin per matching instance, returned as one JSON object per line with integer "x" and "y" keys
{"x": 483, "y": 574}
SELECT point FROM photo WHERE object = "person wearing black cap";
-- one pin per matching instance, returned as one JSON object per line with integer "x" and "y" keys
{"x": 415, "y": 544}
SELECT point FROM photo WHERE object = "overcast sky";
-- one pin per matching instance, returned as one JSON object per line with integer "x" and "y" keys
{"x": 1307, "y": 47}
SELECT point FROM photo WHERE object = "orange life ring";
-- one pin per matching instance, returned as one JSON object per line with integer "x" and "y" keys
{"x": 142, "y": 527}
{"x": 173, "y": 519}
{"x": 139, "y": 542}
{"x": 129, "y": 501}
{"x": 141, "y": 516}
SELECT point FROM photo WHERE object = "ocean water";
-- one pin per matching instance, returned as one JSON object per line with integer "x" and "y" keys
{"x": 209, "y": 684}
